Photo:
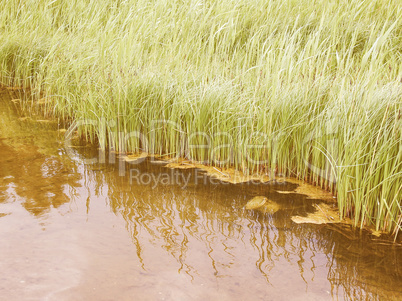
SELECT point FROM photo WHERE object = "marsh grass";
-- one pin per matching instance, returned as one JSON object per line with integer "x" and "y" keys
{"x": 287, "y": 77}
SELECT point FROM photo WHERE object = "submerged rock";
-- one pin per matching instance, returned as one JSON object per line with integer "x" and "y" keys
{"x": 263, "y": 204}
{"x": 269, "y": 207}
{"x": 256, "y": 202}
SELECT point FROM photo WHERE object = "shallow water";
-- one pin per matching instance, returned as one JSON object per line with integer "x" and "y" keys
{"x": 73, "y": 231}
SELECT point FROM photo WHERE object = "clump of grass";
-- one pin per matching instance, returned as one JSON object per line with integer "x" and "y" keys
{"x": 314, "y": 87}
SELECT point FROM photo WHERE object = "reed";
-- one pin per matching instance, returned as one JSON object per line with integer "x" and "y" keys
{"x": 315, "y": 87}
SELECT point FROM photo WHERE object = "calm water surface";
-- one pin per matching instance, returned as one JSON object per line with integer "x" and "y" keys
{"x": 73, "y": 231}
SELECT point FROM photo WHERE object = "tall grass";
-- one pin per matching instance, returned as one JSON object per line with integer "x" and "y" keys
{"x": 314, "y": 86}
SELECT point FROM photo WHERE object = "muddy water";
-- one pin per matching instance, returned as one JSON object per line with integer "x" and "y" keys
{"x": 73, "y": 231}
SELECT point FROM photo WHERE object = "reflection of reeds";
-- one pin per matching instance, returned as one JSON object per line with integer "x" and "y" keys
{"x": 28, "y": 158}
{"x": 261, "y": 73}
{"x": 210, "y": 225}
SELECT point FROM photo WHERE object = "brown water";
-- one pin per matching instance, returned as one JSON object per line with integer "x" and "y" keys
{"x": 70, "y": 231}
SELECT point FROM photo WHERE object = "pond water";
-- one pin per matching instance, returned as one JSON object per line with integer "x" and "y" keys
{"x": 75, "y": 231}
